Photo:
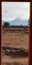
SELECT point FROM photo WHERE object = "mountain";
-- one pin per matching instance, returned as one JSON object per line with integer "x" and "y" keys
{"x": 18, "y": 22}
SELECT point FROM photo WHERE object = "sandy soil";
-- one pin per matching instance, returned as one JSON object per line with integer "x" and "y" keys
{"x": 15, "y": 39}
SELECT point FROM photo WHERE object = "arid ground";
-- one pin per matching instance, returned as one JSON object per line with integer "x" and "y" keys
{"x": 14, "y": 45}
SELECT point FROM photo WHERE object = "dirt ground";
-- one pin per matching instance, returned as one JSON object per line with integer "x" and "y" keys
{"x": 15, "y": 39}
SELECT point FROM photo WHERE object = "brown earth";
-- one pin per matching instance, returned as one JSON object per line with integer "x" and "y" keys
{"x": 15, "y": 38}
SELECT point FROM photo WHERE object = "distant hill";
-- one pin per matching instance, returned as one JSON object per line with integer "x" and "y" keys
{"x": 17, "y": 22}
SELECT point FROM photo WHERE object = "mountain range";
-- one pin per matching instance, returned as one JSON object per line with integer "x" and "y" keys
{"x": 17, "y": 22}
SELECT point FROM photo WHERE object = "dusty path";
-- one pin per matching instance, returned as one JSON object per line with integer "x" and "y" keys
{"x": 15, "y": 40}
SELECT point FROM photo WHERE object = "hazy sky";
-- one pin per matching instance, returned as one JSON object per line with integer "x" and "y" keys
{"x": 13, "y": 10}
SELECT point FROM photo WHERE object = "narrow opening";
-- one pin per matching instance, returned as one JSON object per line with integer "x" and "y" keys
{"x": 15, "y": 33}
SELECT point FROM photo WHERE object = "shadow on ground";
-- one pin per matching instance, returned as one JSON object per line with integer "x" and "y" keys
{"x": 15, "y": 53}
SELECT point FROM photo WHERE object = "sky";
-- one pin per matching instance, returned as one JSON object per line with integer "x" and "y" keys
{"x": 13, "y": 10}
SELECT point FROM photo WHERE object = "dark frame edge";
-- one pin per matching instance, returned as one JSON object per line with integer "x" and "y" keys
{"x": 30, "y": 34}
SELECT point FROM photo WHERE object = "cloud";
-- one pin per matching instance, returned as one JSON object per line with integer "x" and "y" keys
{"x": 12, "y": 10}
